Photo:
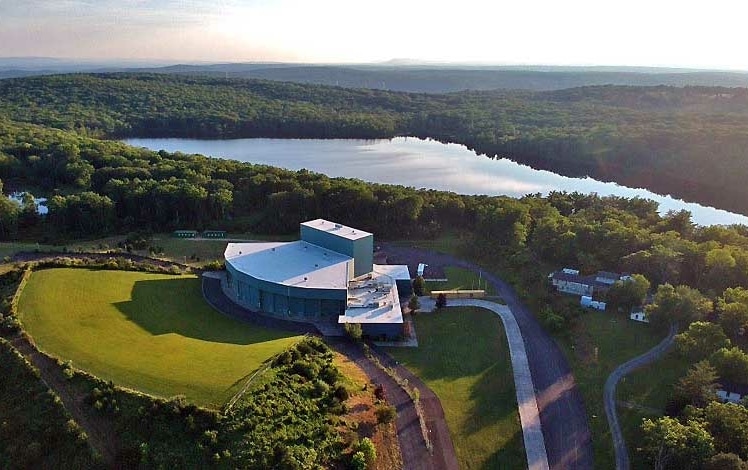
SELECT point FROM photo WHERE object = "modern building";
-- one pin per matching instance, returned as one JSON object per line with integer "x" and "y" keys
{"x": 326, "y": 276}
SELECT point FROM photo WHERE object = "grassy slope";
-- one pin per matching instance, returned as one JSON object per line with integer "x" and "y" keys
{"x": 464, "y": 358}
{"x": 649, "y": 388}
{"x": 600, "y": 343}
{"x": 151, "y": 332}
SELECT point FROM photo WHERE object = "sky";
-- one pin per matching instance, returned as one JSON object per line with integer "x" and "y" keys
{"x": 685, "y": 33}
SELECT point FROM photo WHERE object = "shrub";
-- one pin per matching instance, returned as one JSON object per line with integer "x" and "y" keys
{"x": 358, "y": 461}
{"x": 370, "y": 452}
{"x": 379, "y": 392}
{"x": 441, "y": 301}
{"x": 305, "y": 368}
{"x": 354, "y": 331}
{"x": 329, "y": 374}
{"x": 419, "y": 286}
{"x": 385, "y": 414}
{"x": 341, "y": 393}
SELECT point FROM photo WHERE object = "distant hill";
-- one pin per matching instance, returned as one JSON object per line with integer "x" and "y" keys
{"x": 402, "y": 75}
{"x": 437, "y": 79}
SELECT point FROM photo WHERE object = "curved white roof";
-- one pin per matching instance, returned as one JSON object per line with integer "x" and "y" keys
{"x": 295, "y": 264}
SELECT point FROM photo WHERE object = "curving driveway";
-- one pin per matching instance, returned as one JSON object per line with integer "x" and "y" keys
{"x": 563, "y": 416}
{"x": 622, "y": 454}
{"x": 537, "y": 458}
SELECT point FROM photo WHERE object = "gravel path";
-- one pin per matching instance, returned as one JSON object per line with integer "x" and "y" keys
{"x": 563, "y": 416}
{"x": 529, "y": 415}
{"x": 622, "y": 454}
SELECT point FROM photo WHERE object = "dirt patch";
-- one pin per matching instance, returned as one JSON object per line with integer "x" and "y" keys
{"x": 415, "y": 455}
{"x": 361, "y": 418}
{"x": 583, "y": 345}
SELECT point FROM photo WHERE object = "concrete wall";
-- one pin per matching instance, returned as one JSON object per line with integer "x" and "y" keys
{"x": 283, "y": 301}
{"x": 404, "y": 287}
{"x": 375, "y": 330}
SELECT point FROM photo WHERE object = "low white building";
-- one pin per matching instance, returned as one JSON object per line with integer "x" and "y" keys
{"x": 569, "y": 281}
{"x": 729, "y": 392}
{"x": 586, "y": 301}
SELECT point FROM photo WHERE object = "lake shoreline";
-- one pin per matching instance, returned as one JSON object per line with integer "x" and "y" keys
{"x": 426, "y": 163}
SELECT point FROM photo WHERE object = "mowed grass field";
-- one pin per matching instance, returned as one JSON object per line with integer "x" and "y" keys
{"x": 463, "y": 357}
{"x": 150, "y": 332}
{"x": 461, "y": 279}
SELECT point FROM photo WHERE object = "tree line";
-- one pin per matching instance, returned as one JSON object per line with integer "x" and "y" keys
{"x": 683, "y": 141}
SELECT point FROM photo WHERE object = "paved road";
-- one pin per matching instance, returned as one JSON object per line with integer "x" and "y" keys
{"x": 529, "y": 415}
{"x": 622, "y": 454}
{"x": 563, "y": 416}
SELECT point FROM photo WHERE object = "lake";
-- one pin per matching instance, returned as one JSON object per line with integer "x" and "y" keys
{"x": 423, "y": 164}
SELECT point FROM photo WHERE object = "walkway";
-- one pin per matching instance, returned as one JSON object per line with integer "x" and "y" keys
{"x": 622, "y": 454}
{"x": 529, "y": 414}
{"x": 563, "y": 415}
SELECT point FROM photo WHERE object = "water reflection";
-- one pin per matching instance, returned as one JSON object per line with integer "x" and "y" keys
{"x": 422, "y": 164}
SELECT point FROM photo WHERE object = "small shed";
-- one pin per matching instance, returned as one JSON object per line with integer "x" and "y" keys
{"x": 421, "y": 268}
{"x": 214, "y": 234}
{"x": 639, "y": 315}
{"x": 586, "y": 301}
{"x": 184, "y": 233}
{"x": 730, "y": 392}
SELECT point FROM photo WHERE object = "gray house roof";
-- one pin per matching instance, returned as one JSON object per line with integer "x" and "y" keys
{"x": 601, "y": 280}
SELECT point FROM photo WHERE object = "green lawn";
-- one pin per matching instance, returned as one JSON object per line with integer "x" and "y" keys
{"x": 464, "y": 358}
{"x": 150, "y": 332}
{"x": 459, "y": 278}
{"x": 601, "y": 342}
{"x": 11, "y": 248}
{"x": 648, "y": 387}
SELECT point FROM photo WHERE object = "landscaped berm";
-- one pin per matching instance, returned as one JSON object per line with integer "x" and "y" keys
{"x": 149, "y": 332}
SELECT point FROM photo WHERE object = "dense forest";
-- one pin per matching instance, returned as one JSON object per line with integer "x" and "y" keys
{"x": 688, "y": 142}
{"x": 51, "y": 131}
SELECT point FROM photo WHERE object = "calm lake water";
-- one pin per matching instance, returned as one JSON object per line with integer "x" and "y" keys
{"x": 423, "y": 164}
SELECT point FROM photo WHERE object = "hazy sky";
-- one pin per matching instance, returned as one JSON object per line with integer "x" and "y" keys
{"x": 686, "y": 33}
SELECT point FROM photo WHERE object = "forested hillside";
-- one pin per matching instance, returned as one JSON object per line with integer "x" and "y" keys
{"x": 689, "y": 142}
